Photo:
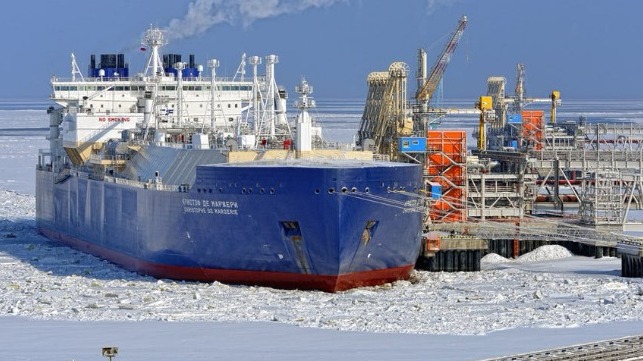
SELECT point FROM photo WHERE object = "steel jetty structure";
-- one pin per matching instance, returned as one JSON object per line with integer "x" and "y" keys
{"x": 520, "y": 186}
{"x": 175, "y": 175}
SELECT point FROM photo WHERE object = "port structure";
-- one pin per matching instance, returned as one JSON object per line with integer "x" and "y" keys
{"x": 514, "y": 192}
{"x": 385, "y": 116}
{"x": 395, "y": 130}
{"x": 588, "y": 175}
{"x": 569, "y": 183}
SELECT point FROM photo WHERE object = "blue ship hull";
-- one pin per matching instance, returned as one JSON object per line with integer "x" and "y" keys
{"x": 308, "y": 226}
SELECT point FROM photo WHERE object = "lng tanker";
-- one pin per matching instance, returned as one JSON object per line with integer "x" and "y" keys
{"x": 176, "y": 175}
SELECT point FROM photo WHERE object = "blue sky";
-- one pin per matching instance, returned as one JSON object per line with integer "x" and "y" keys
{"x": 586, "y": 49}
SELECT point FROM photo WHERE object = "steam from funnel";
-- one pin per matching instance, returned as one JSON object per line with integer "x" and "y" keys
{"x": 204, "y": 14}
{"x": 433, "y": 5}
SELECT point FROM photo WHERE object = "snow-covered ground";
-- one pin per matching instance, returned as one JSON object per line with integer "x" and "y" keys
{"x": 59, "y": 304}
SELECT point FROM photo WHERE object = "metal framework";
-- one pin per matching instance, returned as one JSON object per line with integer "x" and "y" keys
{"x": 384, "y": 118}
{"x": 426, "y": 92}
{"x": 446, "y": 166}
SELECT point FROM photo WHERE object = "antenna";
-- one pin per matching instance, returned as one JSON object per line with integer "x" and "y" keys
{"x": 241, "y": 69}
{"x": 75, "y": 69}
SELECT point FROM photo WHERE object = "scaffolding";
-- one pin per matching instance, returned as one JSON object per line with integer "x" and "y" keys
{"x": 446, "y": 165}
{"x": 601, "y": 201}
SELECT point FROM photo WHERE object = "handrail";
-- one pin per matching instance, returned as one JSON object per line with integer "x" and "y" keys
{"x": 166, "y": 79}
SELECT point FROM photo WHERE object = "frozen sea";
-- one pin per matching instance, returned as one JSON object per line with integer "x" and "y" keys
{"x": 59, "y": 304}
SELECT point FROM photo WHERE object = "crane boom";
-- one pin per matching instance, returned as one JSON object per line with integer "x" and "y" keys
{"x": 425, "y": 94}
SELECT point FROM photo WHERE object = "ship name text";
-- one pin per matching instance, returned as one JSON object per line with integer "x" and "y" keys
{"x": 414, "y": 205}
{"x": 206, "y": 206}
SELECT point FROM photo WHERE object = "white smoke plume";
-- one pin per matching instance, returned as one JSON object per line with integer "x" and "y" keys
{"x": 204, "y": 14}
{"x": 433, "y": 5}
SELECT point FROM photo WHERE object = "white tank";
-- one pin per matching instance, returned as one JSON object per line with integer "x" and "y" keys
{"x": 159, "y": 138}
{"x": 147, "y": 111}
{"x": 247, "y": 141}
{"x": 303, "y": 142}
{"x": 200, "y": 141}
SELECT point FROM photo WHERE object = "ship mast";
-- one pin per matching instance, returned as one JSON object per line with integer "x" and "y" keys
{"x": 303, "y": 142}
{"x": 241, "y": 70}
{"x": 154, "y": 39}
{"x": 271, "y": 60}
{"x": 255, "y": 61}
{"x": 213, "y": 64}
{"x": 179, "y": 66}
{"x": 74, "y": 69}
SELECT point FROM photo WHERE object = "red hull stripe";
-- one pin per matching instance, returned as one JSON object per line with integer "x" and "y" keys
{"x": 283, "y": 280}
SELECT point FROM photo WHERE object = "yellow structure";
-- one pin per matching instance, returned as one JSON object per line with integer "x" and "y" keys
{"x": 555, "y": 100}
{"x": 485, "y": 104}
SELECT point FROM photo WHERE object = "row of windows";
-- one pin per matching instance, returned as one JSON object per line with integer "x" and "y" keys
{"x": 142, "y": 88}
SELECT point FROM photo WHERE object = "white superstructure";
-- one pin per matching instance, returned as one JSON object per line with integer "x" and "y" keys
{"x": 169, "y": 97}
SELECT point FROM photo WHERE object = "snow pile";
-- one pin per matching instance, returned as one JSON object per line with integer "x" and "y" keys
{"x": 43, "y": 280}
{"x": 545, "y": 253}
{"x": 494, "y": 258}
